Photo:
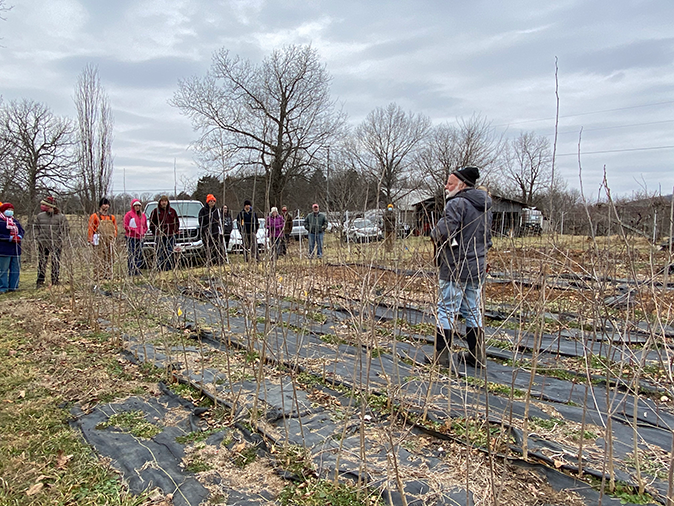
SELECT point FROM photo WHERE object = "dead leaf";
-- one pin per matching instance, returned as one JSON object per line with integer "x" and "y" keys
{"x": 35, "y": 489}
{"x": 558, "y": 463}
{"x": 62, "y": 460}
{"x": 22, "y": 394}
{"x": 237, "y": 448}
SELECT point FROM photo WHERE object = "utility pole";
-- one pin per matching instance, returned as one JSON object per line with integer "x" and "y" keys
{"x": 175, "y": 179}
{"x": 327, "y": 185}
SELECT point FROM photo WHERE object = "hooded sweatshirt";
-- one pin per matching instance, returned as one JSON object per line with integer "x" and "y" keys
{"x": 135, "y": 223}
{"x": 463, "y": 236}
{"x": 164, "y": 221}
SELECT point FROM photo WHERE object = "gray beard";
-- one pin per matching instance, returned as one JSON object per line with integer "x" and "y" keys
{"x": 449, "y": 195}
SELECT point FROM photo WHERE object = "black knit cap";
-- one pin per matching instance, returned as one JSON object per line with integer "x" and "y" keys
{"x": 468, "y": 175}
{"x": 246, "y": 203}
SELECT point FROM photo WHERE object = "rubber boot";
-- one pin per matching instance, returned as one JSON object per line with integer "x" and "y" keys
{"x": 476, "y": 354}
{"x": 443, "y": 340}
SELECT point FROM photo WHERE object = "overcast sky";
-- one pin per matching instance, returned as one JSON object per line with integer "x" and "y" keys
{"x": 445, "y": 58}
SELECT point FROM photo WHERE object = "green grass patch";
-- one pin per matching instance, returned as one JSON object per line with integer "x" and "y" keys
{"x": 132, "y": 422}
{"x": 196, "y": 436}
{"x": 320, "y": 492}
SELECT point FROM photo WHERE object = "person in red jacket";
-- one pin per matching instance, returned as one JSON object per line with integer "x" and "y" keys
{"x": 164, "y": 224}
{"x": 135, "y": 226}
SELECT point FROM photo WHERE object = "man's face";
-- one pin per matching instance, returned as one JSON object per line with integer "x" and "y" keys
{"x": 315, "y": 208}
{"x": 211, "y": 204}
{"x": 163, "y": 204}
{"x": 247, "y": 207}
{"x": 105, "y": 208}
{"x": 454, "y": 185}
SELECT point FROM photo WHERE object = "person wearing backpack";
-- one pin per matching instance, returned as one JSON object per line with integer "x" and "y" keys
{"x": 102, "y": 233}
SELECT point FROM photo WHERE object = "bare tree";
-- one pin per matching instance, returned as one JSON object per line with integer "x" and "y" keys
{"x": 384, "y": 145}
{"x": 449, "y": 147}
{"x": 528, "y": 165}
{"x": 94, "y": 138}
{"x": 277, "y": 114}
{"x": 38, "y": 150}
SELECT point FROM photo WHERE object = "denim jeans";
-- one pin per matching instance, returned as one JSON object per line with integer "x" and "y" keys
{"x": 316, "y": 244}
{"x": 459, "y": 297}
{"x": 10, "y": 268}
{"x": 134, "y": 255}
{"x": 165, "y": 257}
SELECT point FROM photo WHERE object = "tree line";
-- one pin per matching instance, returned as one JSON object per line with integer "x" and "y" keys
{"x": 271, "y": 131}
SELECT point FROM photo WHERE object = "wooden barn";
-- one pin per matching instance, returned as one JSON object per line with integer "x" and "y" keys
{"x": 507, "y": 215}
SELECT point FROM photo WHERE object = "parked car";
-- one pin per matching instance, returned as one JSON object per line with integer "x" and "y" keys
{"x": 236, "y": 241}
{"x": 298, "y": 229}
{"x": 188, "y": 239}
{"x": 362, "y": 230}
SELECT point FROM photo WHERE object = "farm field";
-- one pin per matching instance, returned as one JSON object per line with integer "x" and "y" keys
{"x": 302, "y": 382}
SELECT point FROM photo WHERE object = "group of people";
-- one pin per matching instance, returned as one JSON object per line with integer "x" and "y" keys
{"x": 462, "y": 238}
{"x": 50, "y": 226}
{"x": 216, "y": 227}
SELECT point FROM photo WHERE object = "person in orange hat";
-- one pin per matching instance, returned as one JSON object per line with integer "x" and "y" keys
{"x": 210, "y": 224}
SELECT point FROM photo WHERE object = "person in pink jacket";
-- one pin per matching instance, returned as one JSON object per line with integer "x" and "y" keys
{"x": 135, "y": 226}
{"x": 275, "y": 224}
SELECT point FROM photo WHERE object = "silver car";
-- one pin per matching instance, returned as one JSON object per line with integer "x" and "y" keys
{"x": 236, "y": 241}
{"x": 362, "y": 230}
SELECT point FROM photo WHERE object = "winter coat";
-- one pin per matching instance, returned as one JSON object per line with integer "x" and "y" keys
{"x": 50, "y": 229}
{"x": 275, "y": 225}
{"x": 135, "y": 224}
{"x": 164, "y": 221}
{"x": 105, "y": 225}
{"x": 9, "y": 247}
{"x": 316, "y": 222}
{"x": 463, "y": 236}
{"x": 247, "y": 222}
{"x": 288, "y": 225}
{"x": 227, "y": 223}
{"x": 210, "y": 221}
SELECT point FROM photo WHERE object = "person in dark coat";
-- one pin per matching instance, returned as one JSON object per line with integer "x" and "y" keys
{"x": 11, "y": 235}
{"x": 164, "y": 225}
{"x": 287, "y": 229}
{"x": 227, "y": 225}
{"x": 51, "y": 228}
{"x": 462, "y": 238}
{"x": 248, "y": 225}
{"x": 316, "y": 223}
{"x": 210, "y": 225}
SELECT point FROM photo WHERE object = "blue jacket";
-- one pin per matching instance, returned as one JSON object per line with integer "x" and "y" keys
{"x": 463, "y": 236}
{"x": 9, "y": 248}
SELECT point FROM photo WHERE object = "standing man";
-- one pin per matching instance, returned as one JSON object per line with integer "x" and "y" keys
{"x": 51, "y": 227}
{"x": 315, "y": 223}
{"x": 462, "y": 238}
{"x": 287, "y": 228}
{"x": 210, "y": 224}
{"x": 135, "y": 226}
{"x": 102, "y": 233}
{"x": 389, "y": 227}
{"x": 227, "y": 225}
{"x": 164, "y": 224}
{"x": 248, "y": 225}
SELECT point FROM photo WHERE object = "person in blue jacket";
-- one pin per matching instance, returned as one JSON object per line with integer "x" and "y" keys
{"x": 11, "y": 234}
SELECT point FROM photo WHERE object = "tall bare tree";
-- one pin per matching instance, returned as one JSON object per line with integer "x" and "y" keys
{"x": 37, "y": 151}
{"x": 278, "y": 114}
{"x": 528, "y": 163}
{"x": 471, "y": 141}
{"x": 94, "y": 138}
{"x": 385, "y": 143}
